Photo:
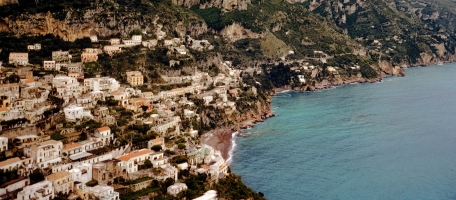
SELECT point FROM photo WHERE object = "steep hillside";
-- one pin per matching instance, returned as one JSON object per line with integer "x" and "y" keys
{"x": 407, "y": 32}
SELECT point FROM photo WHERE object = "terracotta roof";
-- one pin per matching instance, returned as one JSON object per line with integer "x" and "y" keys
{"x": 104, "y": 128}
{"x": 9, "y": 161}
{"x": 116, "y": 93}
{"x": 135, "y": 154}
{"x": 29, "y": 81}
{"x": 157, "y": 140}
{"x": 57, "y": 175}
{"x": 70, "y": 146}
{"x": 205, "y": 166}
{"x": 3, "y": 109}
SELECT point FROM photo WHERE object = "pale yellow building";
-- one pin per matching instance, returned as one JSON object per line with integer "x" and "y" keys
{"x": 62, "y": 181}
{"x": 135, "y": 78}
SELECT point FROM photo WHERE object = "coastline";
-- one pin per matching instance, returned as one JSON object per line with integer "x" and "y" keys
{"x": 224, "y": 139}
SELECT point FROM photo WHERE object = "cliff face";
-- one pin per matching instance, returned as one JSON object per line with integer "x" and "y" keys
{"x": 224, "y": 5}
{"x": 236, "y": 32}
{"x": 97, "y": 21}
{"x": 6, "y": 2}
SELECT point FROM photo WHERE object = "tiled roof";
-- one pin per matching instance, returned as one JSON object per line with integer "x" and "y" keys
{"x": 70, "y": 146}
{"x": 57, "y": 175}
{"x": 135, "y": 154}
{"x": 157, "y": 140}
{"x": 104, "y": 128}
{"x": 9, "y": 161}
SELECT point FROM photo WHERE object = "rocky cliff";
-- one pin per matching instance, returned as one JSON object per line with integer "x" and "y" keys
{"x": 71, "y": 24}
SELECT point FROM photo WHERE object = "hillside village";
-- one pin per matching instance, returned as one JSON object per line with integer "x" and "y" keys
{"x": 66, "y": 136}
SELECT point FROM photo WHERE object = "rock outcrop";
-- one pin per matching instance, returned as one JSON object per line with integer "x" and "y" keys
{"x": 236, "y": 32}
{"x": 224, "y": 5}
{"x": 6, "y": 2}
{"x": 386, "y": 67}
{"x": 89, "y": 22}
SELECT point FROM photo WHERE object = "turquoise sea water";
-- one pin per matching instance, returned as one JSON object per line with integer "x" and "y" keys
{"x": 390, "y": 140}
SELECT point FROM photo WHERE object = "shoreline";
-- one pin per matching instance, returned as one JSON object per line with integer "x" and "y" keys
{"x": 224, "y": 139}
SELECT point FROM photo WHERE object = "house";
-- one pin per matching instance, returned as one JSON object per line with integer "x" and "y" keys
{"x": 209, "y": 195}
{"x": 105, "y": 171}
{"x": 66, "y": 86}
{"x": 101, "y": 84}
{"x": 89, "y": 57}
{"x": 157, "y": 141}
{"x": 18, "y": 58}
{"x": 25, "y": 73}
{"x": 93, "y": 38}
{"x": 208, "y": 100}
{"x": 45, "y": 153}
{"x": 62, "y": 181}
{"x": 39, "y": 191}
{"x": 50, "y": 66}
{"x": 114, "y": 41}
{"x": 103, "y": 193}
{"x": 104, "y": 135}
{"x": 168, "y": 42}
{"x": 11, "y": 164}
{"x": 74, "y": 67}
{"x": 26, "y": 140}
{"x": 181, "y": 50}
{"x": 11, "y": 188}
{"x": 3, "y": 144}
{"x": 73, "y": 112}
{"x": 82, "y": 173}
{"x": 111, "y": 50}
{"x": 148, "y": 95}
{"x": 122, "y": 97}
{"x": 35, "y": 46}
{"x": 176, "y": 188}
{"x": 128, "y": 43}
{"x": 135, "y": 78}
{"x": 61, "y": 56}
{"x": 12, "y": 87}
{"x": 130, "y": 162}
{"x": 136, "y": 39}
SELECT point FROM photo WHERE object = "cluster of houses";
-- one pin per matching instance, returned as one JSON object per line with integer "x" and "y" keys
{"x": 70, "y": 165}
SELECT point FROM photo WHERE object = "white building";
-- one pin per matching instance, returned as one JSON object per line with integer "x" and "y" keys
{"x": 61, "y": 56}
{"x": 11, "y": 164}
{"x": 104, "y": 135}
{"x": 82, "y": 173}
{"x": 209, "y": 195}
{"x": 39, "y": 191}
{"x": 66, "y": 86}
{"x": 112, "y": 49}
{"x": 93, "y": 38}
{"x": 50, "y": 66}
{"x": 3, "y": 144}
{"x": 176, "y": 188}
{"x": 103, "y": 193}
{"x": 76, "y": 112}
{"x": 101, "y": 84}
{"x": 45, "y": 154}
{"x": 18, "y": 58}
{"x": 137, "y": 39}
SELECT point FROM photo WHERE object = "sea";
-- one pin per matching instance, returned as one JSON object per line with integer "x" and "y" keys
{"x": 395, "y": 139}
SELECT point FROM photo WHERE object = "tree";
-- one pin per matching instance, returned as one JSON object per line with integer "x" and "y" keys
{"x": 13, "y": 78}
{"x": 156, "y": 148}
{"x": 181, "y": 146}
{"x": 36, "y": 176}
{"x": 83, "y": 136}
{"x": 144, "y": 108}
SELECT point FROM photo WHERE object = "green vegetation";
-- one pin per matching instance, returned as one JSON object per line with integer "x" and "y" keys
{"x": 231, "y": 187}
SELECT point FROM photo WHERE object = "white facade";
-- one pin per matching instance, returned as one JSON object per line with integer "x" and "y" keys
{"x": 101, "y": 84}
{"x": 50, "y": 65}
{"x": 176, "y": 188}
{"x": 136, "y": 39}
{"x": 104, "y": 193}
{"x": 3, "y": 144}
{"x": 66, "y": 86}
{"x": 39, "y": 191}
{"x": 82, "y": 173}
{"x": 45, "y": 154}
{"x": 93, "y": 38}
{"x": 76, "y": 112}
